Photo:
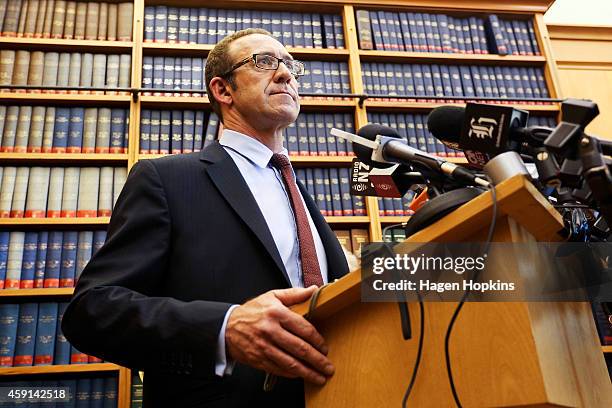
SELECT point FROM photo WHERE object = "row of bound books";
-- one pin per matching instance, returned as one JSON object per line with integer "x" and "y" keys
{"x": 325, "y": 78}
{"x": 331, "y": 190}
{"x": 46, "y": 259}
{"x": 208, "y": 26}
{"x": 170, "y": 73}
{"x": 66, "y": 19}
{"x": 310, "y": 134}
{"x": 603, "y": 321}
{"x": 86, "y": 391}
{"x": 425, "y": 32}
{"x": 425, "y": 80}
{"x": 164, "y": 131}
{"x": 396, "y": 206}
{"x": 52, "y": 69}
{"x": 53, "y": 192}
{"x": 31, "y": 335}
{"x": 42, "y": 129}
{"x": 413, "y": 128}
{"x": 353, "y": 239}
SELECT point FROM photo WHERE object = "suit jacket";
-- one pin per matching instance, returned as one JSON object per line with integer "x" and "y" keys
{"x": 186, "y": 241}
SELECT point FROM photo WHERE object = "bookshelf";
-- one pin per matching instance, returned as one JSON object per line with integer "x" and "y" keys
{"x": 351, "y": 54}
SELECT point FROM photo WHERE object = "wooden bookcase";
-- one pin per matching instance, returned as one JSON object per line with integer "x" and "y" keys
{"x": 351, "y": 54}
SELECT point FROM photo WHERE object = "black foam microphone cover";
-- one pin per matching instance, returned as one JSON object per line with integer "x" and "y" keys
{"x": 370, "y": 131}
{"x": 445, "y": 123}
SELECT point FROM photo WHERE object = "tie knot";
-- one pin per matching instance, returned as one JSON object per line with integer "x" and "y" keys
{"x": 280, "y": 161}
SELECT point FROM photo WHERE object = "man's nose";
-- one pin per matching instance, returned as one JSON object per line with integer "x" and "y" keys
{"x": 282, "y": 73}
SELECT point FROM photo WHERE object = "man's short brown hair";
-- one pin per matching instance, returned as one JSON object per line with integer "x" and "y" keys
{"x": 219, "y": 62}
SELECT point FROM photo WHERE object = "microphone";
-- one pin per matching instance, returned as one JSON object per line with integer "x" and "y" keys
{"x": 484, "y": 131}
{"x": 381, "y": 146}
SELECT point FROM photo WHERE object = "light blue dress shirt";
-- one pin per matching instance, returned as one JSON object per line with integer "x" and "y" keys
{"x": 266, "y": 184}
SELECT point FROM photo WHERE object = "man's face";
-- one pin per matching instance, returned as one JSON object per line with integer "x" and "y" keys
{"x": 265, "y": 97}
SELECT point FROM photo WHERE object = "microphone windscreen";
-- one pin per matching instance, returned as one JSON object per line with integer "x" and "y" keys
{"x": 445, "y": 123}
{"x": 370, "y": 131}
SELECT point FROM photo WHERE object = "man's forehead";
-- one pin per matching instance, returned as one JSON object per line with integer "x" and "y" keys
{"x": 257, "y": 44}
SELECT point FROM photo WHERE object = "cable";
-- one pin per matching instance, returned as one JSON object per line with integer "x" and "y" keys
{"x": 419, "y": 351}
{"x": 465, "y": 295}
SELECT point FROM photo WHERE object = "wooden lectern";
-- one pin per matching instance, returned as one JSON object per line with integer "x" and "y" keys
{"x": 502, "y": 354}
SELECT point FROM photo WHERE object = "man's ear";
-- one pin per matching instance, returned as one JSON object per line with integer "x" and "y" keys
{"x": 221, "y": 90}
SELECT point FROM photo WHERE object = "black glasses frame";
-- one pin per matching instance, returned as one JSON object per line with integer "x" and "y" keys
{"x": 254, "y": 59}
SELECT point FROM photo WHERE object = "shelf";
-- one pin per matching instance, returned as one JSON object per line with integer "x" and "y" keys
{"x": 50, "y": 369}
{"x": 204, "y": 49}
{"x": 302, "y": 160}
{"x": 63, "y": 158}
{"x": 53, "y": 44}
{"x": 202, "y": 102}
{"x": 606, "y": 349}
{"x": 61, "y": 99}
{"x": 348, "y": 220}
{"x": 42, "y": 292}
{"x": 56, "y": 222}
{"x": 390, "y": 105}
{"x": 420, "y": 57}
{"x": 399, "y": 219}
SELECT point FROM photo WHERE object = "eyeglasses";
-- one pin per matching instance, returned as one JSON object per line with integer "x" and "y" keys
{"x": 270, "y": 62}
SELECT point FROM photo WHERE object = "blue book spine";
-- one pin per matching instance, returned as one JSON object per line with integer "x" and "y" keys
{"x": 193, "y": 25}
{"x": 429, "y": 36}
{"x": 344, "y": 77}
{"x": 202, "y": 26}
{"x": 75, "y": 130}
{"x": 475, "y": 34}
{"x": 405, "y": 29}
{"x": 535, "y": 48}
{"x": 452, "y": 30}
{"x": 197, "y": 74}
{"x": 230, "y": 22}
{"x": 496, "y": 37}
{"x": 83, "y": 393}
{"x": 477, "y": 81}
{"x": 26, "y": 335}
{"x": 68, "y": 263}
{"x": 212, "y": 129}
{"x": 317, "y": 77}
{"x": 28, "y": 261}
{"x": 277, "y": 27}
{"x": 72, "y": 386}
{"x": 117, "y": 128}
{"x": 518, "y": 35}
{"x": 338, "y": 30}
{"x": 41, "y": 257}
{"x": 176, "y": 131}
{"x": 542, "y": 82}
{"x": 164, "y": 132}
{"x": 458, "y": 24}
{"x": 291, "y": 139}
{"x": 161, "y": 24}
{"x": 99, "y": 238}
{"x": 445, "y": 35}
{"x": 428, "y": 80}
{"x": 168, "y": 75}
{"x": 61, "y": 352}
{"x": 436, "y": 74}
{"x": 345, "y": 191}
{"x": 319, "y": 188}
{"x": 155, "y": 130}
{"x": 421, "y": 34}
{"x": 312, "y": 136}
{"x": 53, "y": 260}
{"x": 188, "y": 130}
{"x": 286, "y": 28}
{"x": 110, "y": 392}
{"x": 411, "y": 131}
{"x": 147, "y": 73}
{"x": 419, "y": 83}
{"x": 486, "y": 81}
{"x": 158, "y": 75}
{"x": 328, "y": 193}
{"x": 509, "y": 82}
{"x": 524, "y": 73}
{"x": 494, "y": 86}
{"x": 384, "y": 28}
{"x": 382, "y": 79}
{"x": 510, "y": 37}
{"x": 60, "y": 133}
{"x": 328, "y": 78}
{"x": 4, "y": 244}
{"x": 394, "y": 35}
{"x": 9, "y": 317}
{"x": 145, "y": 131}
{"x": 414, "y": 34}
{"x": 317, "y": 31}
{"x": 328, "y": 31}
{"x": 213, "y": 36}
{"x": 500, "y": 81}
{"x": 149, "y": 23}
{"x": 334, "y": 179}
{"x": 173, "y": 25}
{"x": 437, "y": 35}
{"x": 198, "y": 133}
{"x": 389, "y": 70}
{"x": 376, "y": 31}
{"x": 319, "y": 125}
{"x": 97, "y": 393}
{"x": 45, "y": 333}
{"x": 337, "y": 121}
{"x": 467, "y": 36}
{"x": 297, "y": 28}
{"x": 466, "y": 80}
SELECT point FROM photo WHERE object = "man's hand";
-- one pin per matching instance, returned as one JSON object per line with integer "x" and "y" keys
{"x": 265, "y": 334}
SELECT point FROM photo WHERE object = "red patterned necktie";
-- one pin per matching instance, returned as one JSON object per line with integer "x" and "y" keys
{"x": 308, "y": 255}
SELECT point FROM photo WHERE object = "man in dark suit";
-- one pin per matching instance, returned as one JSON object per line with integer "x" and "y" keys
{"x": 206, "y": 252}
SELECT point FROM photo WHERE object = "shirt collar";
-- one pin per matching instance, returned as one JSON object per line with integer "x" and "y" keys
{"x": 249, "y": 147}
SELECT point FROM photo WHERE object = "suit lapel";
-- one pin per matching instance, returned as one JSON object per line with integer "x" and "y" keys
{"x": 228, "y": 180}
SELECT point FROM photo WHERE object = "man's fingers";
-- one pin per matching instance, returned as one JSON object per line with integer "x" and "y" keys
{"x": 301, "y": 350}
{"x": 302, "y": 328}
{"x": 292, "y": 367}
{"x": 292, "y": 296}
